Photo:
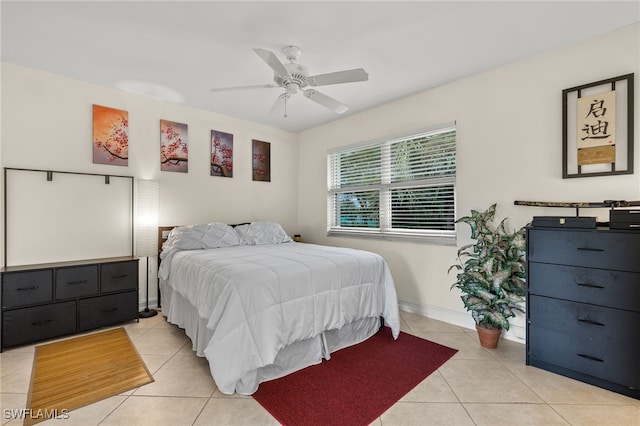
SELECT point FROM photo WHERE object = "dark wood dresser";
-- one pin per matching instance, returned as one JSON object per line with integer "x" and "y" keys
{"x": 583, "y": 305}
{"x": 55, "y": 299}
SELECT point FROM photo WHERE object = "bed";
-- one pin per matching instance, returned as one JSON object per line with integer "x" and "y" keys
{"x": 259, "y": 306}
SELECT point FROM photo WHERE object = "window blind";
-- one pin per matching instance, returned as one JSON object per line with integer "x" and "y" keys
{"x": 400, "y": 187}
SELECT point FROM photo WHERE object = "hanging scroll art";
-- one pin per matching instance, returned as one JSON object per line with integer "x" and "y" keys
{"x": 597, "y": 127}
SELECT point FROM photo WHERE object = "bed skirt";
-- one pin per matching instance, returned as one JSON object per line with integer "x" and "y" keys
{"x": 294, "y": 357}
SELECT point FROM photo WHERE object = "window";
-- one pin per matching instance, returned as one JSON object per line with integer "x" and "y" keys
{"x": 396, "y": 188}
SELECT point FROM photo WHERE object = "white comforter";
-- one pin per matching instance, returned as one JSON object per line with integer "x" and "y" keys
{"x": 259, "y": 299}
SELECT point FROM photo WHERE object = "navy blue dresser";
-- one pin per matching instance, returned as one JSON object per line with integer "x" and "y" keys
{"x": 583, "y": 305}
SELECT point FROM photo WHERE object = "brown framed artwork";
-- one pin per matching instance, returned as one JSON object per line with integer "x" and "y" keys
{"x": 261, "y": 155}
{"x": 597, "y": 128}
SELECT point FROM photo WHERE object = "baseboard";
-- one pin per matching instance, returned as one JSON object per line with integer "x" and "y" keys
{"x": 516, "y": 332}
{"x": 153, "y": 303}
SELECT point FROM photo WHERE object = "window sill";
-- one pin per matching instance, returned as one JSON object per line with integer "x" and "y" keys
{"x": 444, "y": 240}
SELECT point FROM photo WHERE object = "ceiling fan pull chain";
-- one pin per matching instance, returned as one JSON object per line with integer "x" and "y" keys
{"x": 285, "y": 105}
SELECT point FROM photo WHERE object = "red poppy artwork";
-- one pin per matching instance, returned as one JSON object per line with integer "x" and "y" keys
{"x": 110, "y": 136}
{"x": 221, "y": 154}
{"x": 174, "y": 147}
{"x": 261, "y": 161}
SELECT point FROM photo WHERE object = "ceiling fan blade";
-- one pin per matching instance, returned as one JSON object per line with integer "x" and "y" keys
{"x": 272, "y": 60}
{"x": 257, "y": 86}
{"x": 339, "y": 77}
{"x": 280, "y": 105}
{"x": 326, "y": 101}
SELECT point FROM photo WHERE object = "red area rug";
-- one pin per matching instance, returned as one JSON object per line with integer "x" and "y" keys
{"x": 356, "y": 385}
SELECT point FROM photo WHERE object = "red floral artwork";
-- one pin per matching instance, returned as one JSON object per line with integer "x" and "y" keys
{"x": 221, "y": 154}
{"x": 110, "y": 136}
{"x": 174, "y": 142}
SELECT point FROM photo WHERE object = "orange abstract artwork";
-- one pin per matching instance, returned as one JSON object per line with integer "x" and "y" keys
{"x": 110, "y": 136}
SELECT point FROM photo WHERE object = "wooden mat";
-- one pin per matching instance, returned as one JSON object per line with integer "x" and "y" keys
{"x": 73, "y": 373}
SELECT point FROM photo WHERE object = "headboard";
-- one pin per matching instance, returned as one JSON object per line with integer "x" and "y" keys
{"x": 163, "y": 234}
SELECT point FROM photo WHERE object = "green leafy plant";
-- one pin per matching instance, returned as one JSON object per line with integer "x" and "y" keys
{"x": 491, "y": 271}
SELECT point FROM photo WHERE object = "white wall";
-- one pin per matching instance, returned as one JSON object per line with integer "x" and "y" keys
{"x": 509, "y": 148}
{"x": 47, "y": 124}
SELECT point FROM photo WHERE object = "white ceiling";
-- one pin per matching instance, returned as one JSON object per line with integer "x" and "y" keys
{"x": 187, "y": 48}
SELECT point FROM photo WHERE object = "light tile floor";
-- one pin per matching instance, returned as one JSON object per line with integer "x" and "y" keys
{"x": 476, "y": 387}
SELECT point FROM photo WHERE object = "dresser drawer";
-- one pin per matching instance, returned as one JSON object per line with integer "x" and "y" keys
{"x": 106, "y": 310}
{"x": 41, "y": 322}
{"x": 118, "y": 276}
{"x": 76, "y": 281}
{"x": 556, "y": 348}
{"x": 615, "y": 289}
{"x": 27, "y": 288}
{"x": 600, "y": 342}
{"x": 594, "y": 249}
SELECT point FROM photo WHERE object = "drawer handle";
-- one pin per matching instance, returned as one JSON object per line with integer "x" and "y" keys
{"x": 119, "y": 277}
{"x": 33, "y": 287}
{"x": 76, "y": 282}
{"x": 107, "y": 311}
{"x": 590, "y": 249}
{"x": 44, "y": 322}
{"x": 588, "y": 321}
{"x": 592, "y": 358}
{"x": 589, "y": 285}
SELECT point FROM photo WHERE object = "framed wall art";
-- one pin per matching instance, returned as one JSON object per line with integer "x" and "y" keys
{"x": 261, "y": 166}
{"x": 597, "y": 128}
{"x": 174, "y": 147}
{"x": 110, "y": 136}
{"x": 221, "y": 154}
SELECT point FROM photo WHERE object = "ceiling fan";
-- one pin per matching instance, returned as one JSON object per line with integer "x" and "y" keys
{"x": 294, "y": 78}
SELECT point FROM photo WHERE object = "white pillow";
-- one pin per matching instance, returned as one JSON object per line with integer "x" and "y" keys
{"x": 202, "y": 236}
{"x": 257, "y": 233}
{"x": 195, "y": 237}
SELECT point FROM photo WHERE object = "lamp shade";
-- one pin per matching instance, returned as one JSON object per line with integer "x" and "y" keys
{"x": 147, "y": 194}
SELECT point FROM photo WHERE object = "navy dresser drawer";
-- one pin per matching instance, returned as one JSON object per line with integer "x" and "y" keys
{"x": 118, "y": 276}
{"x": 614, "y": 289}
{"x": 76, "y": 281}
{"x": 100, "y": 311}
{"x": 40, "y": 322}
{"x": 608, "y": 250}
{"x": 586, "y": 338}
{"x": 27, "y": 288}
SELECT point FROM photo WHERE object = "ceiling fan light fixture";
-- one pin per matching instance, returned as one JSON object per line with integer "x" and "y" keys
{"x": 292, "y": 88}
{"x": 291, "y": 52}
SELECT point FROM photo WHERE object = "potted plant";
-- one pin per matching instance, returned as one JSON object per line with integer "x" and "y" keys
{"x": 491, "y": 273}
